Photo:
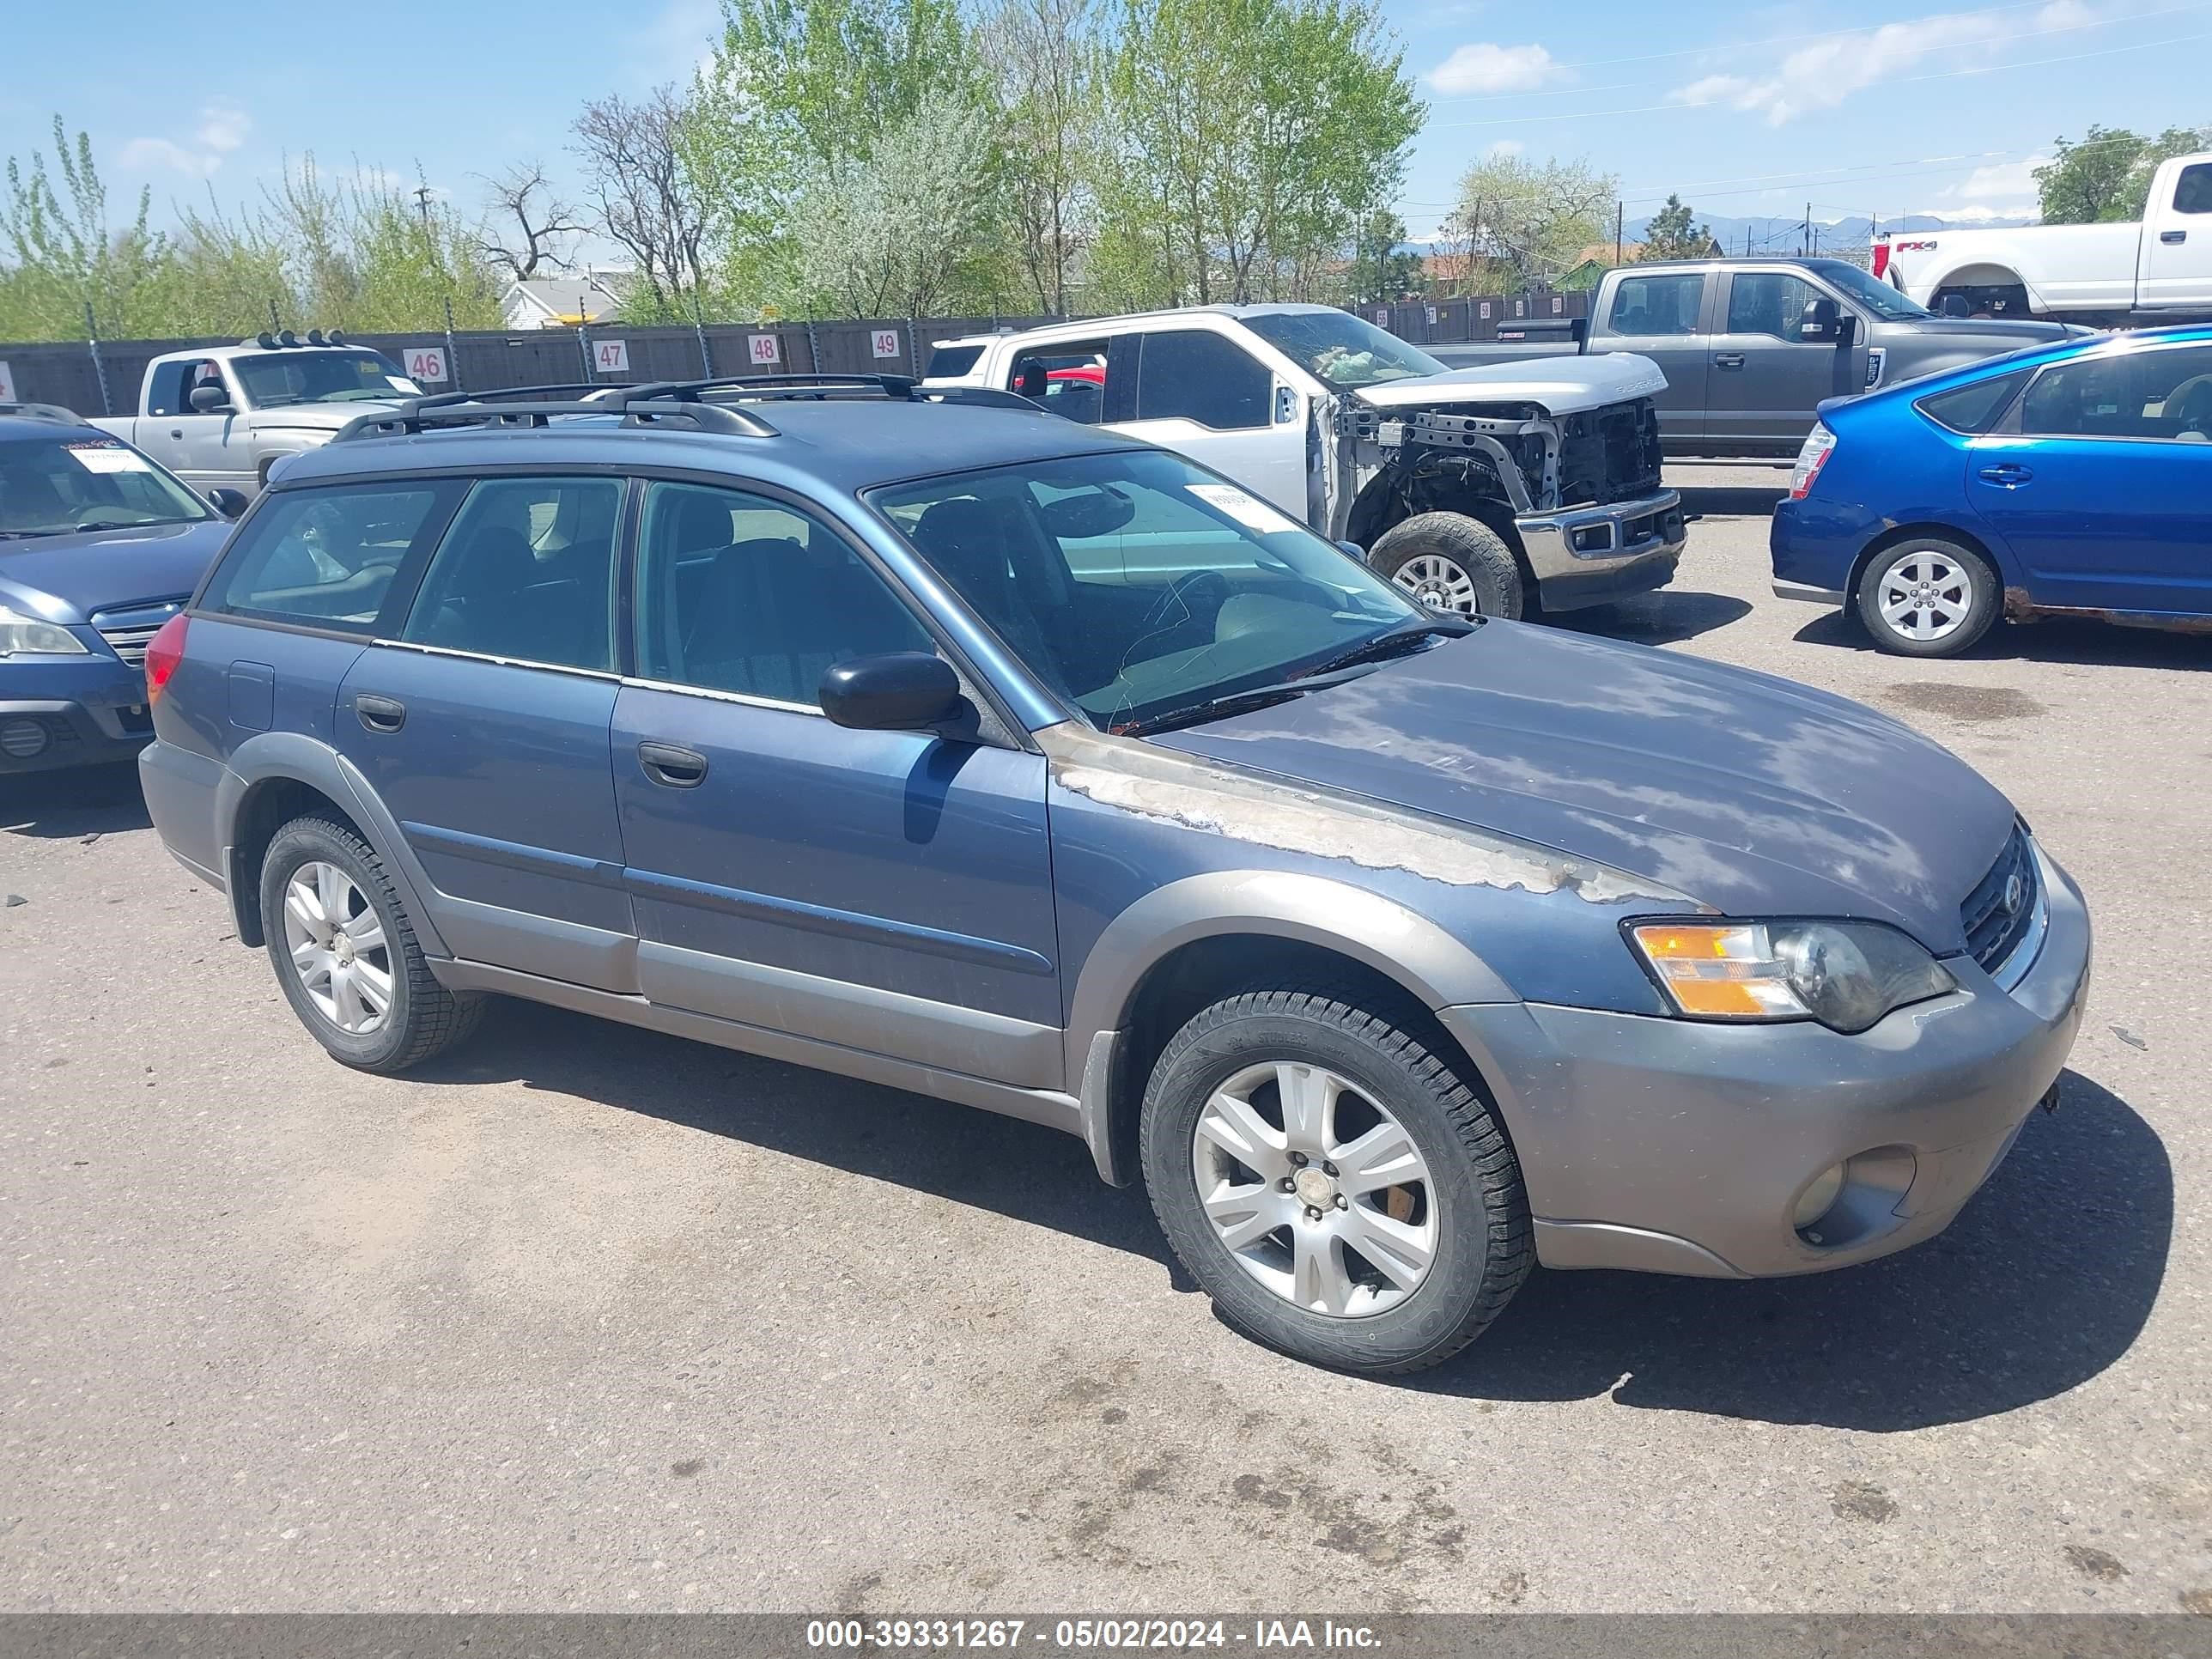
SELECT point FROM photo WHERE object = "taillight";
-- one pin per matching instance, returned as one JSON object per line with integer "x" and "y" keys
{"x": 1881, "y": 257}
{"x": 1819, "y": 444}
{"x": 163, "y": 652}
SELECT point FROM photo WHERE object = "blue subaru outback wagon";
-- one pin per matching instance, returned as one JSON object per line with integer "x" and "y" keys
{"x": 935, "y": 740}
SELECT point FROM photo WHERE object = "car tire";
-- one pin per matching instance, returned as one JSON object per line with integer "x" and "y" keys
{"x": 1927, "y": 597}
{"x": 1450, "y": 561}
{"x": 1449, "y": 1239}
{"x": 336, "y": 886}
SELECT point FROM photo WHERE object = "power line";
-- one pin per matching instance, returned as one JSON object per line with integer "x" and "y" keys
{"x": 2022, "y": 34}
{"x": 1899, "y": 81}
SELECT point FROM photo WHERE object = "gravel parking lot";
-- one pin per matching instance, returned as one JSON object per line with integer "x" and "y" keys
{"x": 585, "y": 1317}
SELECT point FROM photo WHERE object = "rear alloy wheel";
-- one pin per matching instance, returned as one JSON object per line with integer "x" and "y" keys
{"x": 1450, "y": 561}
{"x": 1334, "y": 1182}
{"x": 1928, "y": 597}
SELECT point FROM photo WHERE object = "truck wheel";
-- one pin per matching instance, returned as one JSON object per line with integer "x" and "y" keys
{"x": 345, "y": 956}
{"x": 1928, "y": 597}
{"x": 1450, "y": 561}
{"x": 1339, "y": 1189}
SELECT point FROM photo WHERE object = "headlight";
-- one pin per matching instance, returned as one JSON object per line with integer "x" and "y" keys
{"x": 1847, "y": 975}
{"x": 27, "y": 637}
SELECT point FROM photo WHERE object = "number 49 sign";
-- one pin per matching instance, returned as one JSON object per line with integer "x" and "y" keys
{"x": 886, "y": 343}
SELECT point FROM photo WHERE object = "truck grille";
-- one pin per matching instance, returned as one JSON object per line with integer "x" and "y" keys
{"x": 1610, "y": 454}
{"x": 128, "y": 630}
{"x": 2004, "y": 909}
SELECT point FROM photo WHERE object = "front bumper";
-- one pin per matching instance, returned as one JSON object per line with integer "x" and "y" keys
{"x": 71, "y": 711}
{"x": 1587, "y": 555}
{"x": 1670, "y": 1145}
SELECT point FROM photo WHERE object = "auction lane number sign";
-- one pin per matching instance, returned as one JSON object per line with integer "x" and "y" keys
{"x": 426, "y": 365}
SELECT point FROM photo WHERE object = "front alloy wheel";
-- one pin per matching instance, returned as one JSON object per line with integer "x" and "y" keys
{"x": 1317, "y": 1192}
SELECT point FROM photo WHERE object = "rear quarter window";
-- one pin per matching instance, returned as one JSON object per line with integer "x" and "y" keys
{"x": 953, "y": 360}
{"x": 336, "y": 558}
{"x": 1976, "y": 407}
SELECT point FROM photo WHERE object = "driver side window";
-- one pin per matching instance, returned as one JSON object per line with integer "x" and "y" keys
{"x": 1195, "y": 374}
{"x": 1768, "y": 302}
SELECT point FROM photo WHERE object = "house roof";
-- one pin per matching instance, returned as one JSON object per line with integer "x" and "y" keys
{"x": 561, "y": 299}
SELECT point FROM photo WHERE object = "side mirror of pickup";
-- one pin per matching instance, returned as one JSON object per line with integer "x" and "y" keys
{"x": 211, "y": 401}
{"x": 1821, "y": 322}
{"x": 898, "y": 691}
{"x": 231, "y": 503}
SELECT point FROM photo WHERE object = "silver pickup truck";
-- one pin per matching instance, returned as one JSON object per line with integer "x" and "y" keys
{"x": 221, "y": 416}
{"x": 1494, "y": 490}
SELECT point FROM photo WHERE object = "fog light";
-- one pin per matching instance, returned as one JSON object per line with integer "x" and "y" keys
{"x": 1819, "y": 1198}
{"x": 23, "y": 738}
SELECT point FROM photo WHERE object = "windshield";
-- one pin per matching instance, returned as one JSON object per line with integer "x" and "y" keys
{"x": 1341, "y": 349}
{"x": 279, "y": 377}
{"x": 1136, "y": 583}
{"x": 1877, "y": 296}
{"x": 53, "y": 486}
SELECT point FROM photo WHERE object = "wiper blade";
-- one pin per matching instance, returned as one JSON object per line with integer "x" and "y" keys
{"x": 1394, "y": 642}
{"x": 1232, "y": 703}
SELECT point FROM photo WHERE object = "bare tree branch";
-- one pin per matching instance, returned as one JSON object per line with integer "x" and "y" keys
{"x": 640, "y": 195}
{"x": 522, "y": 196}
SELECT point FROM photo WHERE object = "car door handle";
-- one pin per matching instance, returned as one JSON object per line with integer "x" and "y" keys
{"x": 383, "y": 714}
{"x": 176, "y": 432}
{"x": 2006, "y": 473}
{"x": 1729, "y": 360}
{"x": 678, "y": 769}
{"x": 2171, "y": 237}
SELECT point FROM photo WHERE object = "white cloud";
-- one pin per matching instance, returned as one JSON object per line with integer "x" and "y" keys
{"x": 1503, "y": 150}
{"x": 2008, "y": 181}
{"x": 223, "y": 128}
{"x": 1823, "y": 74}
{"x": 1483, "y": 66}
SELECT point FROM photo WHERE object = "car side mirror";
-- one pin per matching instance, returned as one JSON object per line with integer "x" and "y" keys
{"x": 229, "y": 502}
{"x": 1286, "y": 404}
{"x": 1353, "y": 551}
{"x": 1821, "y": 321}
{"x": 210, "y": 400}
{"x": 898, "y": 691}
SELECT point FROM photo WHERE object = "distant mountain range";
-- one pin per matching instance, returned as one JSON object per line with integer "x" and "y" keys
{"x": 1779, "y": 235}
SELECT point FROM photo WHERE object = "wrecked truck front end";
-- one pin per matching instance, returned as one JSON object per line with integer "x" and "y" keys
{"x": 1567, "y": 454}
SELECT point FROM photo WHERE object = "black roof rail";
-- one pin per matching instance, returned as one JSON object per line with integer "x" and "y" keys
{"x": 899, "y": 387}
{"x": 412, "y": 418}
{"x": 44, "y": 412}
{"x": 550, "y": 392}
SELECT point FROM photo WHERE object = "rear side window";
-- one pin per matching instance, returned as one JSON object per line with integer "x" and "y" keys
{"x": 327, "y": 558}
{"x": 2192, "y": 193}
{"x": 1658, "y": 305}
{"x": 1196, "y": 375}
{"x": 526, "y": 572}
{"x": 1976, "y": 407}
{"x": 953, "y": 359}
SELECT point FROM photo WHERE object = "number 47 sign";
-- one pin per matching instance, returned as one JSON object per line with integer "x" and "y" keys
{"x": 610, "y": 357}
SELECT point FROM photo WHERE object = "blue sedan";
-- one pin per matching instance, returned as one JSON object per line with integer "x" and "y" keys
{"x": 99, "y": 547}
{"x": 2067, "y": 480}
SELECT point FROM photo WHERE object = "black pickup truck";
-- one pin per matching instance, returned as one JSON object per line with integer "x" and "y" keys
{"x": 1750, "y": 347}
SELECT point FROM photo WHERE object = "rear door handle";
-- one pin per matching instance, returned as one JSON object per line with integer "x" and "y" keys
{"x": 383, "y": 714}
{"x": 678, "y": 768}
{"x": 2171, "y": 237}
{"x": 2005, "y": 473}
{"x": 1729, "y": 360}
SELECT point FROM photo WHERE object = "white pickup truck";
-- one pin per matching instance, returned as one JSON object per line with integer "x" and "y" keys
{"x": 2157, "y": 271}
{"x": 1493, "y": 490}
{"x": 221, "y": 416}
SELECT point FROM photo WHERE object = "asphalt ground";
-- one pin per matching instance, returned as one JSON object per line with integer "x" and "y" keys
{"x": 584, "y": 1317}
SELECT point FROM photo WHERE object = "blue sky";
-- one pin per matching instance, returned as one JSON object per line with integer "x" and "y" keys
{"x": 1746, "y": 110}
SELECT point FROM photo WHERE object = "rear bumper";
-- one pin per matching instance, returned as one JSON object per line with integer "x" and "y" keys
{"x": 1668, "y": 1145}
{"x": 1587, "y": 555}
{"x": 182, "y": 790}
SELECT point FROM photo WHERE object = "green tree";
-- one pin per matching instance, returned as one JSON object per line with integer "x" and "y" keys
{"x": 1050, "y": 58}
{"x": 2105, "y": 178}
{"x": 1383, "y": 267}
{"x": 1671, "y": 235}
{"x": 62, "y": 255}
{"x": 1536, "y": 217}
{"x": 1251, "y": 136}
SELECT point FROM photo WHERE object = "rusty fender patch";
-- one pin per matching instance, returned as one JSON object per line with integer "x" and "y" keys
{"x": 1220, "y": 800}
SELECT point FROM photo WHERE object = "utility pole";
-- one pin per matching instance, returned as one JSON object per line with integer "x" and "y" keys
{"x": 422, "y": 194}
{"x": 1805, "y": 242}
{"x": 1619, "y": 223}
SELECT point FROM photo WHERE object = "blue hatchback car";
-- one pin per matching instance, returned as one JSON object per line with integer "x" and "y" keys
{"x": 2069, "y": 480}
{"x": 983, "y": 754}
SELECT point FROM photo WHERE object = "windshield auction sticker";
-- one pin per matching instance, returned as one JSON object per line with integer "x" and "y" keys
{"x": 108, "y": 458}
{"x": 1247, "y": 510}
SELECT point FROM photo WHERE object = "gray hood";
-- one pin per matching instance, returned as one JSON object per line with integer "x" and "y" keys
{"x": 320, "y": 417}
{"x": 1754, "y": 795}
{"x": 1560, "y": 386}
